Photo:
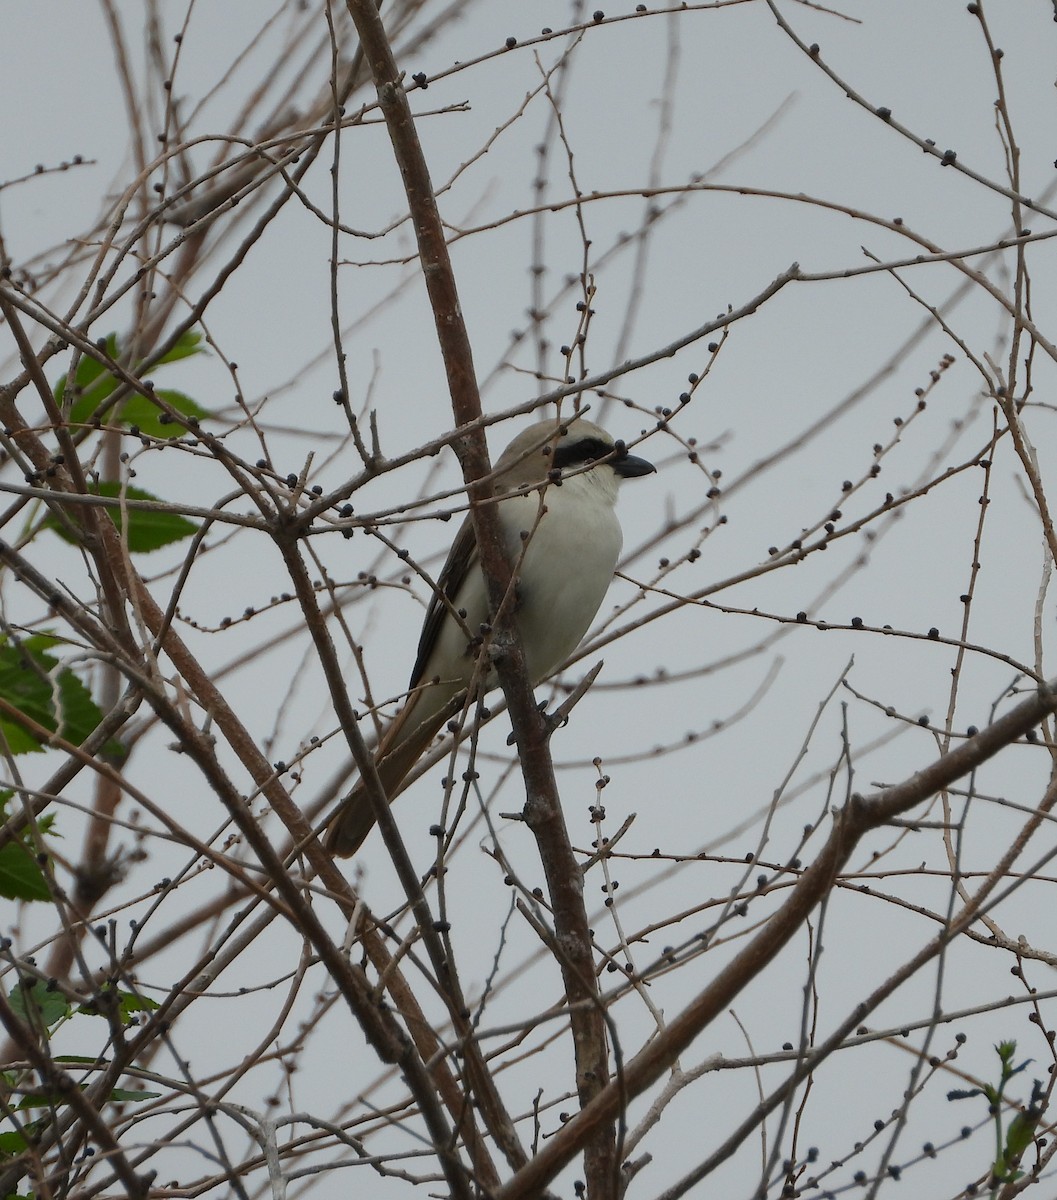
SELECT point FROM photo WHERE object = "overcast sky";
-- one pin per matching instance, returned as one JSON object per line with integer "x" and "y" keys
{"x": 718, "y": 93}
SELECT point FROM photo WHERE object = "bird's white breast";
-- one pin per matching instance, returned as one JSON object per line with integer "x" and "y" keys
{"x": 566, "y": 566}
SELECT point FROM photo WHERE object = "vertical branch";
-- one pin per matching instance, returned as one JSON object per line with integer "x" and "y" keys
{"x": 542, "y": 803}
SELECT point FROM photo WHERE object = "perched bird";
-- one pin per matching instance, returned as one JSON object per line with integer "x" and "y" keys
{"x": 563, "y": 539}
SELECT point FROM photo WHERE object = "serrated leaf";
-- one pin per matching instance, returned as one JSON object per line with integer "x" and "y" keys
{"x": 94, "y": 383}
{"x": 128, "y": 1005}
{"x": 37, "y": 1005}
{"x": 20, "y": 875}
{"x": 147, "y": 530}
{"x": 28, "y": 683}
{"x": 135, "y": 1004}
{"x": 139, "y": 411}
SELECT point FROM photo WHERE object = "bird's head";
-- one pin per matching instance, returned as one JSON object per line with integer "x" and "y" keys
{"x": 551, "y": 451}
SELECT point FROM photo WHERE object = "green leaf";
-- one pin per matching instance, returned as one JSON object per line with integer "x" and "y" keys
{"x": 120, "y": 1095}
{"x": 89, "y": 378}
{"x": 1006, "y": 1051}
{"x": 128, "y": 1005}
{"x": 1020, "y": 1134}
{"x": 136, "y": 1004}
{"x": 93, "y": 383}
{"x": 20, "y": 875}
{"x": 11, "y": 1145}
{"x": 56, "y": 1099}
{"x": 146, "y": 530}
{"x": 139, "y": 411}
{"x": 40, "y": 1100}
{"x": 57, "y": 700}
{"x": 188, "y": 343}
{"x": 36, "y": 1004}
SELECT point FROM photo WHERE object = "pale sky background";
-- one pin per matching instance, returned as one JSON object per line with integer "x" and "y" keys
{"x": 784, "y": 368}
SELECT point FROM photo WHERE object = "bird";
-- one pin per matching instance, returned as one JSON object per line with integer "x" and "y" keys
{"x": 557, "y": 484}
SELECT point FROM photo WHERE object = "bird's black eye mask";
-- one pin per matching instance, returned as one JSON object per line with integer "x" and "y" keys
{"x": 578, "y": 454}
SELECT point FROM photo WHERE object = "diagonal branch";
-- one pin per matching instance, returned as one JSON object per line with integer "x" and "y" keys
{"x": 851, "y": 824}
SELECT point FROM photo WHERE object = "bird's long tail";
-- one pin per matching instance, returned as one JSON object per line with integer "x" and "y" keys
{"x": 402, "y": 745}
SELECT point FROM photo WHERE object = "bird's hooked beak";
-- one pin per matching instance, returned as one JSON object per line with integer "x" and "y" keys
{"x": 630, "y": 466}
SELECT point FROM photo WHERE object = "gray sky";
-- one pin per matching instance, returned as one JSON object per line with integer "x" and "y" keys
{"x": 739, "y": 93}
